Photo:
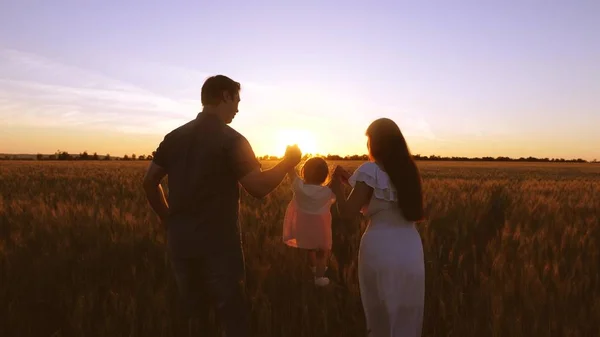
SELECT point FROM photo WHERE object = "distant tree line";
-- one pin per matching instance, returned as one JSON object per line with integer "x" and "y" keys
{"x": 440, "y": 158}
{"x": 64, "y": 155}
{"x": 502, "y": 159}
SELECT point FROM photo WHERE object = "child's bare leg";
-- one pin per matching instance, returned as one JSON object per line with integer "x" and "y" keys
{"x": 312, "y": 257}
{"x": 322, "y": 257}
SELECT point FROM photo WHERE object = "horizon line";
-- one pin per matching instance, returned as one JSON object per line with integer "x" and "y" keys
{"x": 417, "y": 156}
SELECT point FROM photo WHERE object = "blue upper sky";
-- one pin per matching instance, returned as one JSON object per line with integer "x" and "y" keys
{"x": 471, "y": 78}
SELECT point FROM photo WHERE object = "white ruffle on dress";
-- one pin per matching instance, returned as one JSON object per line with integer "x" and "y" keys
{"x": 391, "y": 266}
{"x": 307, "y": 221}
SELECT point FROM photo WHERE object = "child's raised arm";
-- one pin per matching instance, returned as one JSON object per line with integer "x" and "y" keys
{"x": 292, "y": 174}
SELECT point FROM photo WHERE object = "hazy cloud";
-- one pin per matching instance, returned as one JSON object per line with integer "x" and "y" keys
{"x": 38, "y": 91}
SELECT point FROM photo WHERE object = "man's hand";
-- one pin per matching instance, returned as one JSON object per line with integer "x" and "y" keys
{"x": 154, "y": 192}
{"x": 260, "y": 183}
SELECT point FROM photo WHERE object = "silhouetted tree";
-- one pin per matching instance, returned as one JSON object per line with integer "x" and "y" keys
{"x": 63, "y": 155}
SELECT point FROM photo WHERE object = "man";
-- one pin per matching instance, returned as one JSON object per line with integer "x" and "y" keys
{"x": 205, "y": 161}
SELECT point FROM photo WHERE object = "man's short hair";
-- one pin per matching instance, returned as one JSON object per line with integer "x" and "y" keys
{"x": 215, "y": 86}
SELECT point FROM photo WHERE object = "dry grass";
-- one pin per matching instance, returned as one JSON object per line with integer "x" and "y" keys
{"x": 511, "y": 250}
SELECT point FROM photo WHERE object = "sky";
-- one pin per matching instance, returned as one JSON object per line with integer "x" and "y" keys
{"x": 461, "y": 78}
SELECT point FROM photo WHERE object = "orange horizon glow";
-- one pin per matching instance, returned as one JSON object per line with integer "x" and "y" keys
{"x": 517, "y": 85}
{"x": 47, "y": 141}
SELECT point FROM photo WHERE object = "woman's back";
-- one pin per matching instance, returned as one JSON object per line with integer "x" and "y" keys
{"x": 383, "y": 206}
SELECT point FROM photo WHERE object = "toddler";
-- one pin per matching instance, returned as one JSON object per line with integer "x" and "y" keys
{"x": 307, "y": 222}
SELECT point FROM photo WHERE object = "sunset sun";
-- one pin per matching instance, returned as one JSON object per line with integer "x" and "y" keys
{"x": 303, "y": 138}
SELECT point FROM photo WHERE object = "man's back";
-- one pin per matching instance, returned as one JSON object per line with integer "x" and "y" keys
{"x": 204, "y": 160}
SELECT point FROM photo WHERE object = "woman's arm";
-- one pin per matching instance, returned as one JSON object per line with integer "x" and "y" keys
{"x": 359, "y": 196}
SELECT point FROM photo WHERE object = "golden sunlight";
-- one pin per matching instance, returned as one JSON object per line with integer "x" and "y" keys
{"x": 306, "y": 140}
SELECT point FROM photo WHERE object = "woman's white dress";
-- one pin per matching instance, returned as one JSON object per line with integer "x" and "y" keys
{"x": 391, "y": 266}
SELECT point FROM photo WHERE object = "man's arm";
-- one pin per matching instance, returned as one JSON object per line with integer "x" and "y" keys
{"x": 154, "y": 191}
{"x": 256, "y": 182}
{"x": 260, "y": 183}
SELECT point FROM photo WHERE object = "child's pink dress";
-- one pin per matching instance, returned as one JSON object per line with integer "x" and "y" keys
{"x": 307, "y": 222}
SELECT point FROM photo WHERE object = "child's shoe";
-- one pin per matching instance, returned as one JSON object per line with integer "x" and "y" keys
{"x": 322, "y": 281}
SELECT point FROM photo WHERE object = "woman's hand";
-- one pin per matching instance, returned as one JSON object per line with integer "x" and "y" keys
{"x": 359, "y": 196}
{"x": 341, "y": 174}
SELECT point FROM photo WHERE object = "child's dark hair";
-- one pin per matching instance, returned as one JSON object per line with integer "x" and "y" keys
{"x": 315, "y": 171}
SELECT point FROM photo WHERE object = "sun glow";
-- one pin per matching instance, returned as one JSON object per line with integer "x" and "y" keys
{"x": 305, "y": 139}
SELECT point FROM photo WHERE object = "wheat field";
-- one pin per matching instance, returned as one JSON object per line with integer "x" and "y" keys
{"x": 511, "y": 249}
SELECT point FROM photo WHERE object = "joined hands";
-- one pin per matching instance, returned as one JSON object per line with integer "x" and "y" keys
{"x": 293, "y": 155}
{"x": 340, "y": 176}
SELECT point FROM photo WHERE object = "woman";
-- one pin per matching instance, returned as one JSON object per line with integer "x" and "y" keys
{"x": 391, "y": 268}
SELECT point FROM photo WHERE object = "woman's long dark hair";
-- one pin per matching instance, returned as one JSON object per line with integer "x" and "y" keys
{"x": 388, "y": 147}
